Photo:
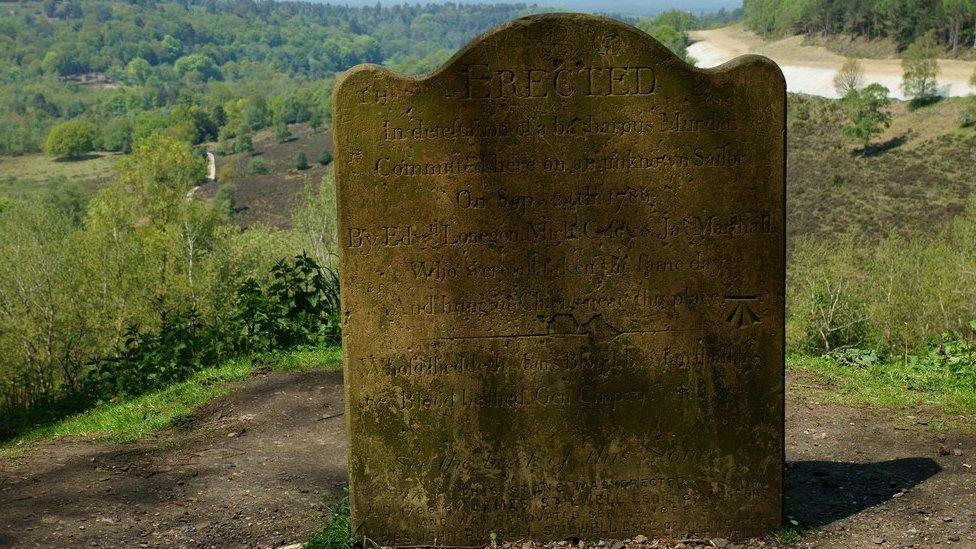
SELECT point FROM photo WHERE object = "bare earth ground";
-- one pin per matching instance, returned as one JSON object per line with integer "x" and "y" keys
{"x": 810, "y": 69}
{"x": 252, "y": 469}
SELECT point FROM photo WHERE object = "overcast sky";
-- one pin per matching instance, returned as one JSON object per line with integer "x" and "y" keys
{"x": 637, "y": 7}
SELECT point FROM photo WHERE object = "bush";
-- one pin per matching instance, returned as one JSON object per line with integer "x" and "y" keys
{"x": 223, "y": 147}
{"x": 256, "y": 166}
{"x": 243, "y": 143}
{"x": 281, "y": 133}
{"x": 901, "y": 293}
{"x": 71, "y": 139}
{"x": 325, "y": 157}
{"x": 301, "y": 162}
{"x": 225, "y": 199}
{"x": 968, "y": 117}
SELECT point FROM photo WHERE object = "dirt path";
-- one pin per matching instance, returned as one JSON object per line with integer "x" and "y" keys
{"x": 811, "y": 69}
{"x": 253, "y": 468}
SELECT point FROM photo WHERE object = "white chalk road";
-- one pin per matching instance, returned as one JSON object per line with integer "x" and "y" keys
{"x": 811, "y": 69}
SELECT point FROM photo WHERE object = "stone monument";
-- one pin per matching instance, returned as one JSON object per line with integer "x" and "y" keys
{"x": 562, "y": 269}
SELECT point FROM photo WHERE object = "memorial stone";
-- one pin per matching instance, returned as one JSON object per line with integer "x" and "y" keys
{"x": 562, "y": 271}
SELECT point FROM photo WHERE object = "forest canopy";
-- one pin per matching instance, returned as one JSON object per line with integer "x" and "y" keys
{"x": 902, "y": 21}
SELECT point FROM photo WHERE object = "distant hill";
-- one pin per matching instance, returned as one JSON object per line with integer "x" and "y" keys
{"x": 634, "y": 7}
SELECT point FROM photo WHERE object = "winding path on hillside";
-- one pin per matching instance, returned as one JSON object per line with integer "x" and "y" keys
{"x": 811, "y": 69}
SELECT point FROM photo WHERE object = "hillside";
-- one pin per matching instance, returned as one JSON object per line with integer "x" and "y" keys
{"x": 918, "y": 174}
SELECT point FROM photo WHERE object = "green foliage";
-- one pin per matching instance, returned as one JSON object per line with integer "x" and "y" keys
{"x": 669, "y": 28}
{"x": 281, "y": 133}
{"x": 901, "y": 293}
{"x": 903, "y": 21}
{"x": 921, "y": 67}
{"x": 301, "y": 161}
{"x": 137, "y": 72}
{"x": 197, "y": 67}
{"x": 128, "y": 420}
{"x": 939, "y": 376}
{"x": 867, "y": 114}
{"x": 256, "y": 166}
{"x": 299, "y": 307}
{"x": 71, "y": 139}
{"x": 225, "y": 200}
{"x": 252, "y": 63}
{"x": 117, "y": 135}
{"x": 325, "y": 157}
{"x": 243, "y": 143}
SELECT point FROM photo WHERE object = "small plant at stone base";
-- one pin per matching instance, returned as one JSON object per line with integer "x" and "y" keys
{"x": 787, "y": 536}
{"x": 301, "y": 161}
{"x": 256, "y": 166}
{"x": 336, "y": 533}
{"x": 325, "y": 158}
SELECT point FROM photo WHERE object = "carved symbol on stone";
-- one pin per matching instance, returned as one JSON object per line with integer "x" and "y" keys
{"x": 741, "y": 313}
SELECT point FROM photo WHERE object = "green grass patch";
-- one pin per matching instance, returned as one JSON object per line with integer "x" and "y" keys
{"x": 914, "y": 384}
{"x": 336, "y": 533}
{"x": 35, "y": 169}
{"x": 136, "y": 418}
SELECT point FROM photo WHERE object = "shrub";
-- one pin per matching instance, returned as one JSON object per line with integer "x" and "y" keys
{"x": 225, "y": 199}
{"x": 867, "y": 114}
{"x": 243, "y": 143}
{"x": 301, "y": 161}
{"x": 256, "y": 166}
{"x": 968, "y": 117}
{"x": 281, "y": 133}
{"x": 325, "y": 157}
{"x": 223, "y": 147}
{"x": 71, "y": 139}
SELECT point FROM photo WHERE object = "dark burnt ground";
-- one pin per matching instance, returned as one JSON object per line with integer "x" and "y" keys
{"x": 253, "y": 469}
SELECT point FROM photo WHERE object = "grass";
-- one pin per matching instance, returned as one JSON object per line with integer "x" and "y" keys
{"x": 335, "y": 534}
{"x": 912, "y": 386}
{"x": 38, "y": 169}
{"x": 137, "y": 418}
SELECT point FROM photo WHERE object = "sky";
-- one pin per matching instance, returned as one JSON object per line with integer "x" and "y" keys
{"x": 635, "y": 7}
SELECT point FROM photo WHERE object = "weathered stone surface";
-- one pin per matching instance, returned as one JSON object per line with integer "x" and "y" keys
{"x": 562, "y": 266}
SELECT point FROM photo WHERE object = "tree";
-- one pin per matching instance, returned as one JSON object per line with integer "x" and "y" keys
{"x": 138, "y": 71}
{"x": 301, "y": 162}
{"x": 867, "y": 114}
{"x": 850, "y": 77}
{"x": 158, "y": 175}
{"x": 71, "y": 139}
{"x": 956, "y": 12}
{"x": 921, "y": 68}
{"x": 197, "y": 67}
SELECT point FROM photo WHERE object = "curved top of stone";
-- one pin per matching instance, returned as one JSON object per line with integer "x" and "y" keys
{"x": 549, "y": 37}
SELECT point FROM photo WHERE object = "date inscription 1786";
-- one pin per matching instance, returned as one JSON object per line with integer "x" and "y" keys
{"x": 562, "y": 271}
